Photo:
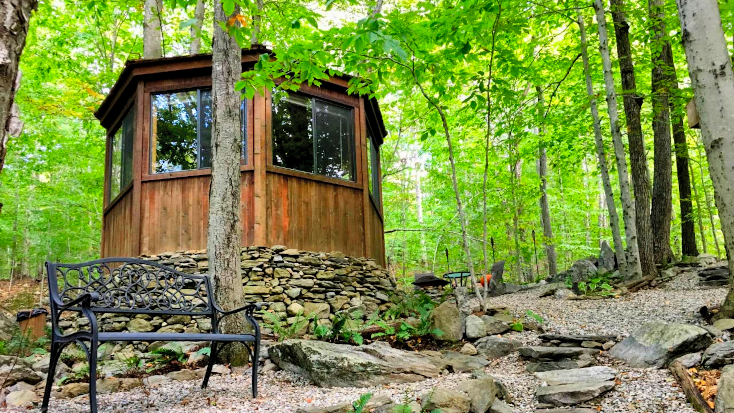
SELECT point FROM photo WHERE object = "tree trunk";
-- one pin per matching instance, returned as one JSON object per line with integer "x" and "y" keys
{"x": 662, "y": 186}
{"x": 709, "y": 209}
{"x": 223, "y": 245}
{"x": 514, "y": 179}
{"x": 195, "y": 32}
{"x": 677, "y": 106}
{"x": 710, "y": 68}
{"x": 638, "y": 156}
{"x": 700, "y": 211}
{"x": 545, "y": 218}
{"x": 601, "y": 154}
{"x": 634, "y": 269}
{"x": 152, "y": 30}
{"x": 419, "y": 214}
{"x": 16, "y": 15}
{"x": 257, "y": 23}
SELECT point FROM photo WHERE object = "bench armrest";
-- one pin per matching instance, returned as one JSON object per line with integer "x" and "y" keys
{"x": 85, "y": 300}
{"x": 249, "y": 310}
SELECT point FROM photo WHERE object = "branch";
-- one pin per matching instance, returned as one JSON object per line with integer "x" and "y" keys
{"x": 558, "y": 84}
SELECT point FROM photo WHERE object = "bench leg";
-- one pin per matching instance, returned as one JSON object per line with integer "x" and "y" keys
{"x": 55, "y": 355}
{"x": 212, "y": 358}
{"x": 93, "y": 376}
{"x": 255, "y": 363}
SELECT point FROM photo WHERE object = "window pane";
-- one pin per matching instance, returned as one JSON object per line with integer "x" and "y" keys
{"x": 292, "y": 132}
{"x": 205, "y": 137}
{"x": 173, "y": 135}
{"x": 115, "y": 163}
{"x": 334, "y": 140}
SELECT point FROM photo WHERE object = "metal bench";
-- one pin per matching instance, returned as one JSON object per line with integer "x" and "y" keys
{"x": 134, "y": 286}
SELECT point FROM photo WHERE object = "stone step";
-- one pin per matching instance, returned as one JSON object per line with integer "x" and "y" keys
{"x": 585, "y": 375}
{"x": 577, "y": 338}
{"x": 554, "y": 353}
{"x": 572, "y": 394}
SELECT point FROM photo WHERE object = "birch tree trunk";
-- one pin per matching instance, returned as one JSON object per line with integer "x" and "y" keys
{"x": 15, "y": 15}
{"x": 638, "y": 156}
{"x": 687, "y": 226}
{"x": 601, "y": 154}
{"x": 700, "y": 211}
{"x": 224, "y": 234}
{"x": 545, "y": 218}
{"x": 152, "y": 30}
{"x": 195, "y": 33}
{"x": 634, "y": 269}
{"x": 662, "y": 186}
{"x": 710, "y": 68}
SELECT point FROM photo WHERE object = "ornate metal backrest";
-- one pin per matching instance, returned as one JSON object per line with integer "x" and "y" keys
{"x": 127, "y": 285}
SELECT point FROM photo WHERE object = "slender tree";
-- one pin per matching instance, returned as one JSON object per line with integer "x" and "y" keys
{"x": 638, "y": 156}
{"x": 224, "y": 233}
{"x": 601, "y": 153}
{"x": 712, "y": 78}
{"x": 662, "y": 186}
{"x": 634, "y": 269}
{"x": 545, "y": 219}
{"x": 195, "y": 31}
{"x": 699, "y": 212}
{"x": 152, "y": 30}
{"x": 16, "y": 15}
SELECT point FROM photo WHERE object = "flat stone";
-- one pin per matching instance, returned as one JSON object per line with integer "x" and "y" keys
{"x": 577, "y": 338}
{"x": 725, "y": 393}
{"x": 468, "y": 349}
{"x": 719, "y": 354}
{"x": 494, "y": 347}
{"x": 108, "y": 385}
{"x": 182, "y": 375}
{"x": 220, "y": 369}
{"x": 293, "y": 292}
{"x": 482, "y": 393}
{"x": 554, "y": 353}
{"x": 377, "y": 403}
{"x": 494, "y": 325}
{"x": 462, "y": 363}
{"x": 724, "y": 324}
{"x": 565, "y": 364}
{"x": 21, "y": 398}
{"x": 657, "y": 343}
{"x": 585, "y": 375}
{"x": 475, "y": 327}
{"x": 498, "y": 406}
{"x": 689, "y": 360}
{"x": 295, "y": 309}
{"x": 156, "y": 380}
{"x": 341, "y": 365}
{"x": 256, "y": 289}
{"x": 576, "y": 410}
{"x": 21, "y": 371}
{"x": 572, "y": 394}
{"x": 446, "y": 401}
{"x": 74, "y": 389}
{"x": 322, "y": 310}
{"x": 140, "y": 325}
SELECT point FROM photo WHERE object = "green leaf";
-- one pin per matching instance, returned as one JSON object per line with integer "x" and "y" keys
{"x": 228, "y": 7}
{"x": 187, "y": 23}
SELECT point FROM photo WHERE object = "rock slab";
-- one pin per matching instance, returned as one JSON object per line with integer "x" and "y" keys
{"x": 585, "y": 375}
{"x": 657, "y": 343}
{"x": 572, "y": 394}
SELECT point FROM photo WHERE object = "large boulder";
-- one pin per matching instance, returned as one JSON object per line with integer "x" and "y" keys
{"x": 482, "y": 393}
{"x": 657, "y": 343}
{"x": 475, "y": 327}
{"x": 582, "y": 270}
{"x": 607, "y": 259}
{"x": 494, "y": 347}
{"x": 719, "y": 354}
{"x": 446, "y": 401}
{"x": 725, "y": 393}
{"x": 342, "y": 365}
{"x": 448, "y": 319}
{"x": 573, "y": 393}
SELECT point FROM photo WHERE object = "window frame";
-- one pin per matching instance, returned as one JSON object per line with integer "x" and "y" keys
{"x": 375, "y": 172}
{"x": 119, "y": 122}
{"x": 347, "y": 102}
{"x": 164, "y": 86}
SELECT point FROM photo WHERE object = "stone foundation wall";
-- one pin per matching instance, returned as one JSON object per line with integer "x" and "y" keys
{"x": 286, "y": 280}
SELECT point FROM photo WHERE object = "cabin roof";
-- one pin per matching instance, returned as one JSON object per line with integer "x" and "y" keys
{"x": 138, "y": 68}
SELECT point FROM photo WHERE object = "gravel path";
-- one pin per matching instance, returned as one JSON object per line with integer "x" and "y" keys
{"x": 638, "y": 390}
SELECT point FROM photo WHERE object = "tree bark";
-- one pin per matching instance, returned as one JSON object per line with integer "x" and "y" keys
{"x": 545, "y": 218}
{"x": 687, "y": 226}
{"x": 152, "y": 30}
{"x": 709, "y": 209}
{"x": 224, "y": 234}
{"x": 257, "y": 23}
{"x": 700, "y": 211}
{"x": 634, "y": 269}
{"x": 195, "y": 32}
{"x": 662, "y": 186}
{"x": 710, "y": 69}
{"x": 601, "y": 154}
{"x": 16, "y": 15}
{"x": 638, "y": 156}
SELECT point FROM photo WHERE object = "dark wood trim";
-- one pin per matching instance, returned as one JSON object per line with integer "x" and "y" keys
{"x": 366, "y": 213}
{"x": 374, "y": 206}
{"x": 187, "y": 174}
{"x": 313, "y": 177}
{"x": 136, "y": 226}
{"x": 118, "y": 198}
{"x": 178, "y": 84}
{"x": 327, "y": 94}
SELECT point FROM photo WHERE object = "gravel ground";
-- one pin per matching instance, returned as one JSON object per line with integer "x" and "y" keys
{"x": 638, "y": 390}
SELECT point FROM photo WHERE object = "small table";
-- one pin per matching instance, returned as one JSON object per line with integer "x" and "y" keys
{"x": 461, "y": 276}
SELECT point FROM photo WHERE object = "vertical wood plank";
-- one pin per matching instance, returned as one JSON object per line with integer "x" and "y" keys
{"x": 261, "y": 105}
{"x": 366, "y": 207}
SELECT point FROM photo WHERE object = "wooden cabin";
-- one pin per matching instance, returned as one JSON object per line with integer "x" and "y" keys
{"x": 310, "y": 168}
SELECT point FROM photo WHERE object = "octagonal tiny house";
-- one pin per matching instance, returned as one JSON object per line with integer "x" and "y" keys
{"x": 310, "y": 163}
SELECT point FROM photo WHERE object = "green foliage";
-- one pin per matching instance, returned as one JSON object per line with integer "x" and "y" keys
{"x": 517, "y": 326}
{"x": 536, "y": 317}
{"x": 283, "y": 330}
{"x": 345, "y": 327}
{"x": 163, "y": 356}
{"x": 597, "y": 285}
{"x": 360, "y": 404}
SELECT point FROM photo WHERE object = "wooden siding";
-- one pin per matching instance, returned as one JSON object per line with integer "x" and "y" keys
{"x": 175, "y": 213}
{"x": 314, "y": 216}
{"x": 118, "y": 232}
{"x": 377, "y": 236}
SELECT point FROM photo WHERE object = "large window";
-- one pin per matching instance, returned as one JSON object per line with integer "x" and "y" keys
{"x": 121, "y": 155}
{"x": 373, "y": 169}
{"x": 181, "y": 131}
{"x": 312, "y": 135}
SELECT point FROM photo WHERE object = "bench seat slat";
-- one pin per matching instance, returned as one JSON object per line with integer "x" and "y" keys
{"x": 220, "y": 338}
